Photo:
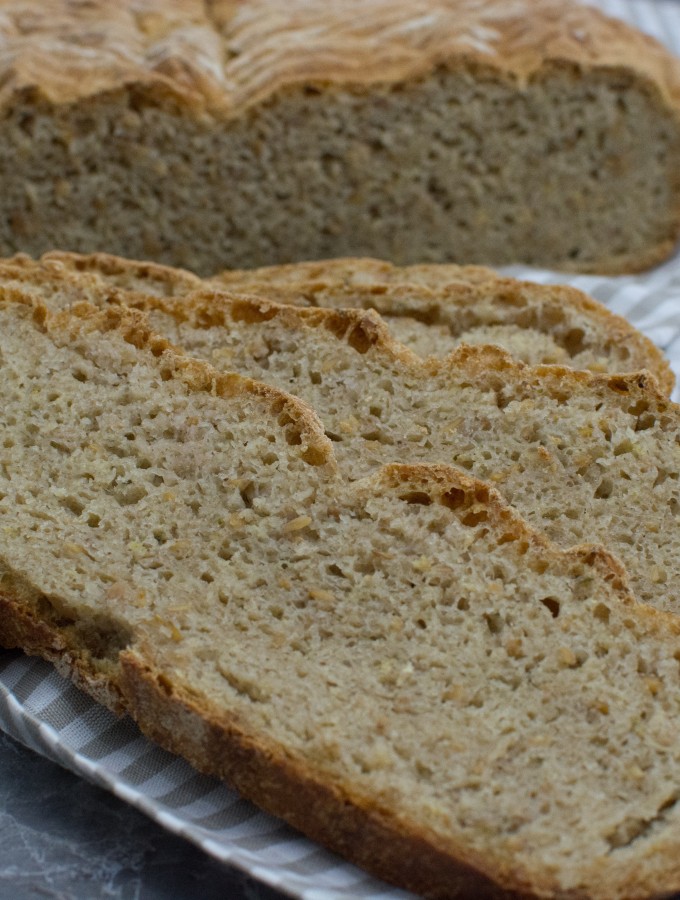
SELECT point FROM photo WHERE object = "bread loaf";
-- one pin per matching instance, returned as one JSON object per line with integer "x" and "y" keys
{"x": 584, "y": 458}
{"x": 220, "y": 133}
{"x": 400, "y": 667}
{"x": 430, "y": 309}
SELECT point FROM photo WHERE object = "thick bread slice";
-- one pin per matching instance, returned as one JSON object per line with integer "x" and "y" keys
{"x": 433, "y": 309}
{"x": 584, "y": 458}
{"x": 210, "y": 133}
{"x": 58, "y": 426}
{"x": 400, "y": 667}
{"x": 430, "y": 309}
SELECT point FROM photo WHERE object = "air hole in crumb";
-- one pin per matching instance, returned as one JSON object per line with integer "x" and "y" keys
{"x": 293, "y": 437}
{"x": 601, "y": 612}
{"x": 73, "y": 504}
{"x": 335, "y": 570}
{"x": 247, "y": 493}
{"x": 359, "y": 339}
{"x": 574, "y": 341}
{"x": 315, "y": 377}
{"x": 552, "y": 605}
{"x": 604, "y": 489}
{"x": 645, "y": 420}
{"x": 417, "y": 497}
{"x": 454, "y": 499}
{"x": 79, "y": 375}
{"x": 494, "y": 622}
{"x": 378, "y": 436}
{"x": 315, "y": 456}
{"x": 474, "y": 518}
{"x": 463, "y": 604}
{"x": 225, "y": 552}
{"x": 619, "y": 385}
{"x": 207, "y": 577}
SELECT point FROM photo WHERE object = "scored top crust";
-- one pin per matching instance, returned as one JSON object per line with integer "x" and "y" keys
{"x": 221, "y": 56}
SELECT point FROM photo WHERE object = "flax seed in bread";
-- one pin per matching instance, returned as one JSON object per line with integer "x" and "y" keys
{"x": 400, "y": 667}
{"x": 221, "y": 133}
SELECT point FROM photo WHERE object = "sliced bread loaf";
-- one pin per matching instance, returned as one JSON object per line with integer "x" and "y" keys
{"x": 223, "y": 133}
{"x": 443, "y": 307}
{"x": 584, "y": 458}
{"x": 400, "y": 667}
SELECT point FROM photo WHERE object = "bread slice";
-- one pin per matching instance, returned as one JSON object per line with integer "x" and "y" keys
{"x": 212, "y": 134}
{"x": 430, "y": 309}
{"x": 400, "y": 667}
{"x": 583, "y": 458}
{"x": 434, "y": 308}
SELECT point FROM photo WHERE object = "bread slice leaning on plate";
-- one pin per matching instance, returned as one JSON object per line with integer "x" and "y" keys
{"x": 398, "y": 666}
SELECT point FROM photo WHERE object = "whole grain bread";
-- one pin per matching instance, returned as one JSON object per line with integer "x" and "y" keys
{"x": 583, "y": 458}
{"x": 223, "y": 133}
{"x": 400, "y": 666}
{"x": 430, "y": 309}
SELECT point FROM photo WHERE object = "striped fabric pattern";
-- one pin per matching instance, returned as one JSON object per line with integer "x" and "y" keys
{"x": 48, "y": 714}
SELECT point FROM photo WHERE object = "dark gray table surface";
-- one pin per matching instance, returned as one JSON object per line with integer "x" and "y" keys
{"x": 61, "y": 838}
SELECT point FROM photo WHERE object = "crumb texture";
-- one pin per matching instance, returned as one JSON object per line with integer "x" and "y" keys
{"x": 584, "y": 458}
{"x": 405, "y": 639}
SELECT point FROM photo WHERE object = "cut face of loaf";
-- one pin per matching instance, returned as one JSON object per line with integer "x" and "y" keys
{"x": 430, "y": 309}
{"x": 400, "y": 666}
{"x": 213, "y": 134}
{"x": 584, "y": 458}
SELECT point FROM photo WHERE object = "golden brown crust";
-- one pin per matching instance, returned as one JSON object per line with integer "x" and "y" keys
{"x": 172, "y": 280}
{"x": 22, "y": 625}
{"x": 348, "y": 271}
{"x": 224, "y": 55}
